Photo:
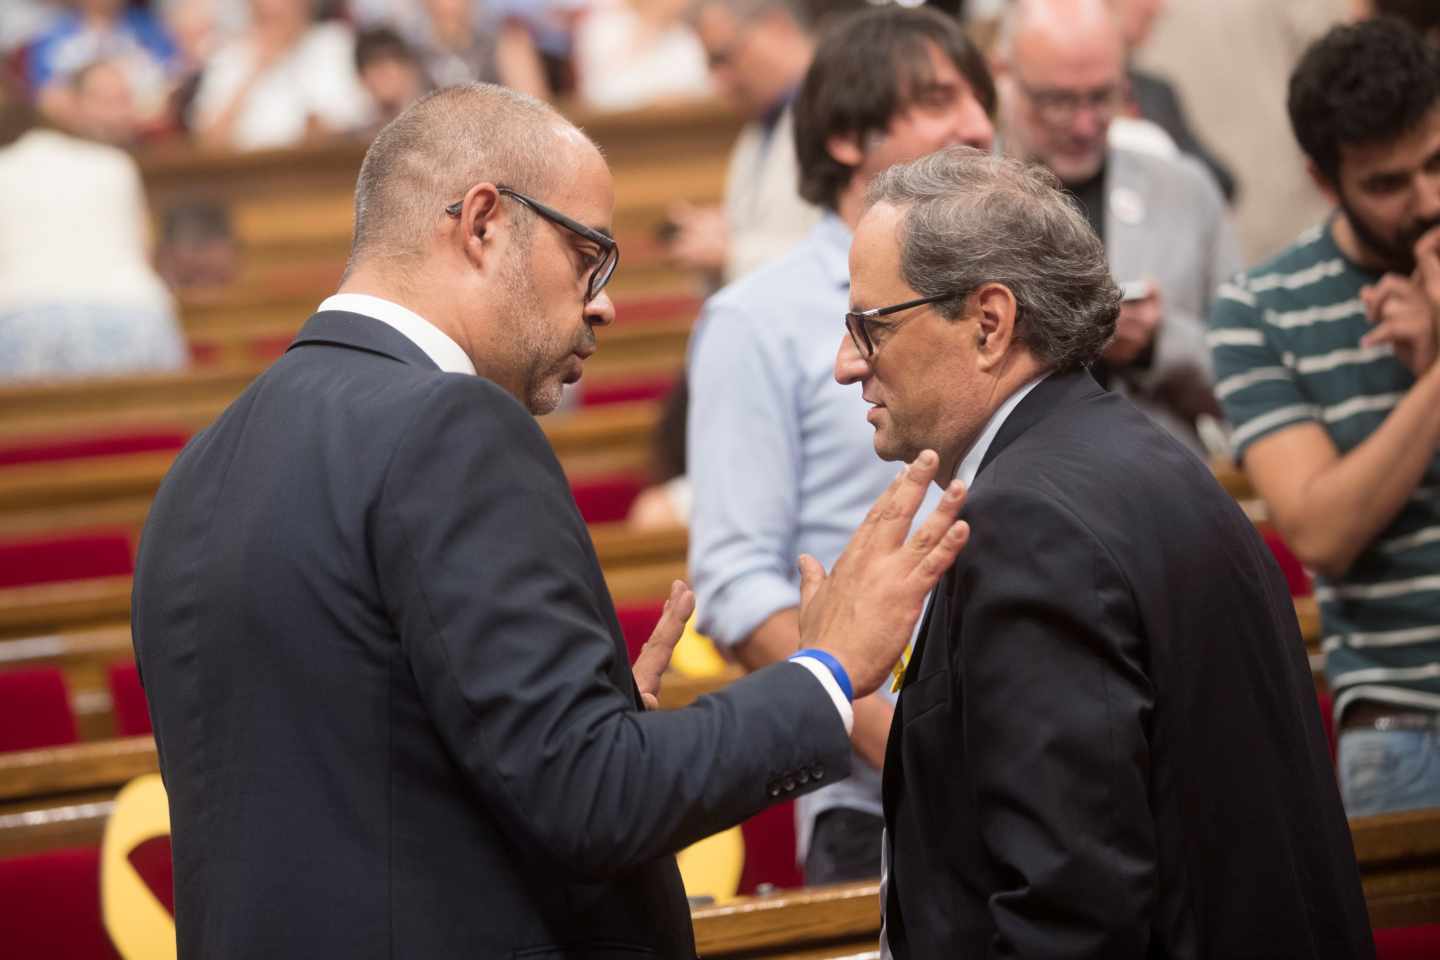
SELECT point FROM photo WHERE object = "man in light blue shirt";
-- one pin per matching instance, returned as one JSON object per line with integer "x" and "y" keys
{"x": 781, "y": 457}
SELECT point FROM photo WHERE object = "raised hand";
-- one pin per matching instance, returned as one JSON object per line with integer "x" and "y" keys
{"x": 1405, "y": 311}
{"x": 655, "y": 655}
{"x": 864, "y": 611}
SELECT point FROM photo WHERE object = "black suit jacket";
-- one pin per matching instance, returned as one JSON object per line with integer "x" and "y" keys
{"x": 392, "y": 701}
{"x": 1107, "y": 743}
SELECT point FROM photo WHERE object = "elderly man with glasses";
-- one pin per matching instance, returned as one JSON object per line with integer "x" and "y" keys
{"x": 392, "y": 702}
{"x": 1106, "y": 742}
{"x": 1060, "y": 67}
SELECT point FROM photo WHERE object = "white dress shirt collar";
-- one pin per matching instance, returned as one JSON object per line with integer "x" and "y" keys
{"x": 437, "y": 345}
{"x": 970, "y": 465}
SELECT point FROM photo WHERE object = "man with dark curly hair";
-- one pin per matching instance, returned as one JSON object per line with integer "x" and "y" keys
{"x": 1325, "y": 364}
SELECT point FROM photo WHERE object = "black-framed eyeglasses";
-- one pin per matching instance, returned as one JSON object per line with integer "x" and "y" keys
{"x": 601, "y": 272}
{"x": 859, "y": 323}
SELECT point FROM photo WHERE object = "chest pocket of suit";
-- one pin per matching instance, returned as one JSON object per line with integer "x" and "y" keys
{"x": 598, "y": 950}
{"x": 924, "y": 695}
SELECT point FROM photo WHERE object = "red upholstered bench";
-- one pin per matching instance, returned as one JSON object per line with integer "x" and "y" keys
{"x": 607, "y": 499}
{"x": 132, "y": 713}
{"x": 50, "y": 907}
{"x": 34, "y": 712}
{"x": 654, "y": 309}
{"x": 77, "y": 557}
{"x": 204, "y": 354}
{"x": 271, "y": 348}
{"x": 1295, "y": 575}
{"x": 626, "y": 391}
{"x": 74, "y": 448}
{"x": 770, "y": 850}
{"x": 1327, "y": 717}
{"x": 637, "y": 622}
{"x": 1408, "y": 943}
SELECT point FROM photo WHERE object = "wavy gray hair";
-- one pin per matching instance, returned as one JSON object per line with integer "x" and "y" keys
{"x": 971, "y": 218}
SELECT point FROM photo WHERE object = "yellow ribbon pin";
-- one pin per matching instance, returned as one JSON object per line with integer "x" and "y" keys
{"x": 900, "y": 666}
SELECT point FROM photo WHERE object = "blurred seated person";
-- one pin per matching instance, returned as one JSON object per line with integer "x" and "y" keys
{"x": 104, "y": 108}
{"x": 24, "y": 20}
{"x": 758, "y": 52}
{"x": 552, "y": 25}
{"x": 284, "y": 81}
{"x": 107, "y": 30}
{"x": 198, "y": 253}
{"x": 390, "y": 71}
{"x": 198, "y": 27}
{"x": 466, "y": 44}
{"x": 634, "y": 53}
{"x": 77, "y": 293}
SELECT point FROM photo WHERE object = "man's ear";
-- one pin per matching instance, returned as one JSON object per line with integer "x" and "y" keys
{"x": 996, "y": 312}
{"x": 480, "y": 216}
{"x": 1323, "y": 183}
{"x": 845, "y": 148}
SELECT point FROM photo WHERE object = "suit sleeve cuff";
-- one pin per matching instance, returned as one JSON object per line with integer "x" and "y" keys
{"x": 827, "y": 680}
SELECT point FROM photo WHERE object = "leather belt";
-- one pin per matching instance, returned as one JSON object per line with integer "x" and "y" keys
{"x": 1372, "y": 715}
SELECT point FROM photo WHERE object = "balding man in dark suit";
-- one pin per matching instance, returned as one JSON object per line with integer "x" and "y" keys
{"x": 391, "y": 699}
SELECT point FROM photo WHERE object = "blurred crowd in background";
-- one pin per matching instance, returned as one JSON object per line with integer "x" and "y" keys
{"x": 1176, "y": 125}
{"x": 83, "y": 81}
{"x": 249, "y": 74}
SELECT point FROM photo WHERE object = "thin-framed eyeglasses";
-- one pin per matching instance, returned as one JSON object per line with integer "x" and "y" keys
{"x": 1058, "y": 108}
{"x": 859, "y": 323}
{"x": 609, "y": 259}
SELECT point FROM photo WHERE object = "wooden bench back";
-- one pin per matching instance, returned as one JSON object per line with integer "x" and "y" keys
{"x": 61, "y": 797}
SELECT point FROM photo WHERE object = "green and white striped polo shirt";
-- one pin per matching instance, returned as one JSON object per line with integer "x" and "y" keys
{"x": 1286, "y": 341}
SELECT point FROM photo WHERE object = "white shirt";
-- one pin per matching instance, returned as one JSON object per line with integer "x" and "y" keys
{"x": 763, "y": 206}
{"x": 450, "y": 358}
{"x": 970, "y": 464}
{"x": 438, "y": 346}
{"x": 314, "y": 78}
{"x": 74, "y": 226}
{"x": 624, "y": 65}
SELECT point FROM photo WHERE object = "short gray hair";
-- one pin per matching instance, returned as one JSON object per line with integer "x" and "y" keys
{"x": 970, "y": 219}
{"x": 441, "y": 146}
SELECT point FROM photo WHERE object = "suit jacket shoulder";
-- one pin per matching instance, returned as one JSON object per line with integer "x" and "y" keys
{"x": 392, "y": 700}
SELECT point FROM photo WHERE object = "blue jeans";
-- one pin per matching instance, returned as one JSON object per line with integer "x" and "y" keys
{"x": 1382, "y": 771}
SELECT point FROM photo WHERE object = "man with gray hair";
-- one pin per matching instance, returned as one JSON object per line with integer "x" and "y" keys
{"x": 1106, "y": 743}
{"x": 1061, "y": 71}
{"x": 391, "y": 699}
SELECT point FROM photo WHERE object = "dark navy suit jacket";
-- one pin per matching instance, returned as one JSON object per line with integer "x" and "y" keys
{"x": 392, "y": 702}
{"x": 1107, "y": 744}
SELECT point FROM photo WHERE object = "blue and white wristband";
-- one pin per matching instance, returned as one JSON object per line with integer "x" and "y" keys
{"x": 833, "y": 665}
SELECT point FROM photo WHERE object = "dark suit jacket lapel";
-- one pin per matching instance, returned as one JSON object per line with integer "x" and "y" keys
{"x": 1054, "y": 391}
{"x": 356, "y": 331}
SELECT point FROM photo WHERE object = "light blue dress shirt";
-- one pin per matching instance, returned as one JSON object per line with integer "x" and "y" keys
{"x": 781, "y": 458}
